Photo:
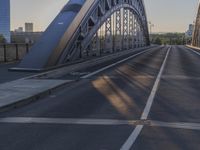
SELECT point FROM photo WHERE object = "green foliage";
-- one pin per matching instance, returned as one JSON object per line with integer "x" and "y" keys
{"x": 158, "y": 41}
{"x": 168, "y": 38}
{"x": 2, "y": 39}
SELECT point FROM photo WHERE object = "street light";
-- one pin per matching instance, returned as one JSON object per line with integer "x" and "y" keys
{"x": 150, "y": 29}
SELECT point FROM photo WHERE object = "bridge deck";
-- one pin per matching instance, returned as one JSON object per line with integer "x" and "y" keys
{"x": 107, "y": 108}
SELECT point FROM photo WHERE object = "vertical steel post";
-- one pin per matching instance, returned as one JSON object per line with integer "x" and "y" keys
{"x": 27, "y": 47}
{"x": 4, "y": 49}
{"x": 101, "y": 40}
{"x": 125, "y": 28}
{"x": 118, "y": 28}
{"x": 113, "y": 32}
{"x": 136, "y": 32}
{"x": 17, "y": 51}
{"x": 108, "y": 34}
{"x": 131, "y": 30}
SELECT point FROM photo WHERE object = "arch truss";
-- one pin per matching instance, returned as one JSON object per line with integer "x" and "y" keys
{"x": 92, "y": 28}
{"x": 196, "y": 33}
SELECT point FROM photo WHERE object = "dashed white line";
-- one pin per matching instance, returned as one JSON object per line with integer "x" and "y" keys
{"x": 132, "y": 138}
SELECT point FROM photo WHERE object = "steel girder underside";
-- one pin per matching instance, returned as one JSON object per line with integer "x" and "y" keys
{"x": 76, "y": 29}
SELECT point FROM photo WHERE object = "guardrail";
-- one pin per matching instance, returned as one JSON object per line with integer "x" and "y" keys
{"x": 13, "y": 52}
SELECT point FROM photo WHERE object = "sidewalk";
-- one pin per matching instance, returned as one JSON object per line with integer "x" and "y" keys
{"x": 23, "y": 91}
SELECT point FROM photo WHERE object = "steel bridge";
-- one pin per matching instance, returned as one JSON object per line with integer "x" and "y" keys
{"x": 196, "y": 33}
{"x": 87, "y": 28}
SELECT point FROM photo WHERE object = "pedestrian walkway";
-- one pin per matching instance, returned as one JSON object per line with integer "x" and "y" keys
{"x": 25, "y": 90}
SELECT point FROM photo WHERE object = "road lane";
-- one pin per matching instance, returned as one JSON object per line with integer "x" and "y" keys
{"x": 178, "y": 95}
{"x": 133, "y": 137}
{"x": 120, "y": 92}
{"x": 177, "y": 100}
{"x": 160, "y": 138}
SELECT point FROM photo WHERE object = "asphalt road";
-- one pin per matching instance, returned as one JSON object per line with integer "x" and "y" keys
{"x": 150, "y": 102}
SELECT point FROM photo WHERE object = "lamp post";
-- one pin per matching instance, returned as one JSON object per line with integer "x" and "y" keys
{"x": 151, "y": 25}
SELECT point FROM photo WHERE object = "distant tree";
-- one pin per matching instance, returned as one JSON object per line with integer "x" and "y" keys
{"x": 2, "y": 39}
{"x": 169, "y": 38}
{"x": 158, "y": 41}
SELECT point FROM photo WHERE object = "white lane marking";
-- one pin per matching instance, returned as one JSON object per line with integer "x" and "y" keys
{"x": 132, "y": 138}
{"x": 180, "y": 77}
{"x": 178, "y": 125}
{"x": 72, "y": 121}
{"x": 107, "y": 122}
{"x": 112, "y": 65}
{"x": 193, "y": 51}
{"x": 40, "y": 120}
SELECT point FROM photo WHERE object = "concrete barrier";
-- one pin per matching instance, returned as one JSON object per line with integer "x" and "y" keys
{"x": 193, "y": 47}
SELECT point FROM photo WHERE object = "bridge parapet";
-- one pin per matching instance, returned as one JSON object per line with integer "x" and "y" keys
{"x": 13, "y": 52}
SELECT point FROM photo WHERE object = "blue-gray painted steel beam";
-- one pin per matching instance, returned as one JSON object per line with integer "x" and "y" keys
{"x": 57, "y": 41}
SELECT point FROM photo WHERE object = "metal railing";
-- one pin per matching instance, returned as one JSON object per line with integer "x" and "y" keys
{"x": 13, "y": 52}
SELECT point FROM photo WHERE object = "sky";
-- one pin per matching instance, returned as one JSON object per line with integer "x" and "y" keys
{"x": 166, "y": 15}
{"x": 171, "y": 15}
{"x": 40, "y": 12}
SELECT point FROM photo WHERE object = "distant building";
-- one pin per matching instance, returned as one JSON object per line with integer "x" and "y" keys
{"x": 28, "y": 27}
{"x": 5, "y": 19}
{"x": 20, "y": 29}
{"x": 190, "y": 30}
{"x": 25, "y": 37}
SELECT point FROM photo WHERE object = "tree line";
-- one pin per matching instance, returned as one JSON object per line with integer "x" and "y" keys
{"x": 2, "y": 39}
{"x": 169, "y": 39}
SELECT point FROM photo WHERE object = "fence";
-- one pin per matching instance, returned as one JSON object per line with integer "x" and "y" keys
{"x": 13, "y": 52}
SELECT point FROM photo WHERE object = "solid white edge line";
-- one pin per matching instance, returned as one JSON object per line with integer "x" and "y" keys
{"x": 114, "y": 64}
{"x": 132, "y": 138}
{"x": 155, "y": 88}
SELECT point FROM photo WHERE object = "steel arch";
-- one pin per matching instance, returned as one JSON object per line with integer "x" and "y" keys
{"x": 196, "y": 32}
{"x": 85, "y": 17}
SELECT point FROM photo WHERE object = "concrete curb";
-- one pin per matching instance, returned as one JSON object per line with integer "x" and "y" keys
{"x": 193, "y": 47}
{"x": 32, "y": 98}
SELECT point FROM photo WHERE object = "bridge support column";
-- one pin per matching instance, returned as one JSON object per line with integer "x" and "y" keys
{"x": 131, "y": 32}
{"x": 118, "y": 27}
{"x": 125, "y": 29}
{"x": 108, "y": 35}
{"x": 135, "y": 32}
